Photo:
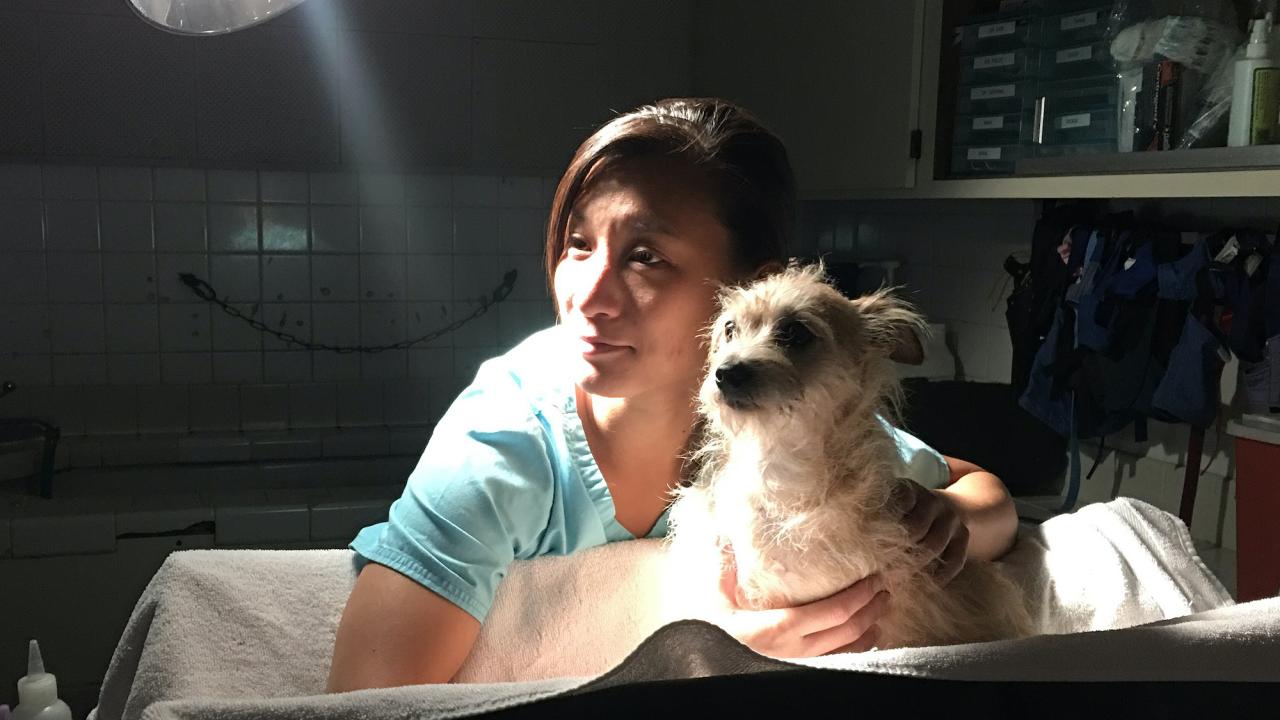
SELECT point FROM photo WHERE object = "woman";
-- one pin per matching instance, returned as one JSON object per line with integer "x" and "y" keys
{"x": 575, "y": 437}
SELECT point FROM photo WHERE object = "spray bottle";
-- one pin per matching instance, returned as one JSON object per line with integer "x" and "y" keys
{"x": 1255, "y": 94}
{"x": 38, "y": 692}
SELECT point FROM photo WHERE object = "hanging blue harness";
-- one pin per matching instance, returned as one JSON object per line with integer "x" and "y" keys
{"x": 1133, "y": 338}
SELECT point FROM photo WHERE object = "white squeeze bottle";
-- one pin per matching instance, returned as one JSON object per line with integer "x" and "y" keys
{"x": 1253, "y": 92}
{"x": 38, "y": 692}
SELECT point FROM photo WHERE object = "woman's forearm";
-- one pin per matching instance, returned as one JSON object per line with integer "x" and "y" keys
{"x": 988, "y": 512}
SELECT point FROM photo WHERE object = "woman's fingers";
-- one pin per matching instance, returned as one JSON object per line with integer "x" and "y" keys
{"x": 866, "y": 642}
{"x": 835, "y": 610}
{"x": 851, "y": 634}
{"x": 939, "y": 535}
{"x": 951, "y": 560}
{"x": 729, "y": 578}
{"x": 922, "y": 510}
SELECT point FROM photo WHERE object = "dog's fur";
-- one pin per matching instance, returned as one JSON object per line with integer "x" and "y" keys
{"x": 796, "y": 469}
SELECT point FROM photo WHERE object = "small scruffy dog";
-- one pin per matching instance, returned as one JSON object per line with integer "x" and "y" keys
{"x": 796, "y": 472}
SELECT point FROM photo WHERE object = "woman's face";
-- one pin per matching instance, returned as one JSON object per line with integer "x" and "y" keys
{"x": 636, "y": 283}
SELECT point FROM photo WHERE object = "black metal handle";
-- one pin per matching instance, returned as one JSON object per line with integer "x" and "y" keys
{"x": 7, "y": 388}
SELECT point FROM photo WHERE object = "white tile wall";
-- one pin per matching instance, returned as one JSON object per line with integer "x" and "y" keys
{"x": 125, "y": 226}
{"x": 124, "y": 183}
{"x": 430, "y": 229}
{"x": 385, "y": 365}
{"x": 70, "y": 182}
{"x": 286, "y": 278}
{"x": 334, "y": 228}
{"x": 233, "y": 228}
{"x": 24, "y": 226}
{"x": 283, "y": 187}
{"x": 180, "y": 227}
{"x": 71, "y": 224}
{"x": 89, "y": 260}
{"x": 233, "y": 186}
{"x": 285, "y": 228}
{"x": 179, "y": 184}
{"x": 382, "y": 278}
{"x": 133, "y": 368}
{"x": 233, "y": 368}
{"x": 382, "y": 228}
{"x": 129, "y": 277}
{"x": 287, "y": 366}
{"x": 429, "y": 190}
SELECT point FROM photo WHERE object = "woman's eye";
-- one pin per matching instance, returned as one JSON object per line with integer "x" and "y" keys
{"x": 793, "y": 334}
{"x": 645, "y": 257}
{"x": 576, "y": 243}
{"x": 729, "y": 329}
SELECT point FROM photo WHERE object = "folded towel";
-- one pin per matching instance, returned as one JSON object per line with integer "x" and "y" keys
{"x": 1112, "y": 565}
{"x": 250, "y": 625}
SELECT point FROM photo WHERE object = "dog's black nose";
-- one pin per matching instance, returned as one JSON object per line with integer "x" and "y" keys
{"x": 733, "y": 377}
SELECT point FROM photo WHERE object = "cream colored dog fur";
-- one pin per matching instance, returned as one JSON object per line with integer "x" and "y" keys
{"x": 796, "y": 475}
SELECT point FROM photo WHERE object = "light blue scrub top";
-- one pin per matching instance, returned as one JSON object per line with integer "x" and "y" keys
{"x": 507, "y": 474}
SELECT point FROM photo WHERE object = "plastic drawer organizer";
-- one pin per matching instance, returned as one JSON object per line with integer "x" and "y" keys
{"x": 984, "y": 159}
{"x": 999, "y": 98}
{"x": 994, "y": 67}
{"x": 1078, "y": 27}
{"x": 993, "y": 129}
{"x": 1034, "y": 85}
{"x": 998, "y": 34}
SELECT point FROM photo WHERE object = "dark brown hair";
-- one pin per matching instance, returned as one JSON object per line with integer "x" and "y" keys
{"x": 745, "y": 164}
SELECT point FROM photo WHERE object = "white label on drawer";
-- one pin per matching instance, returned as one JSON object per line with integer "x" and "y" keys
{"x": 988, "y": 153}
{"x": 991, "y": 92}
{"x": 986, "y": 62}
{"x": 992, "y": 122}
{"x": 1079, "y": 20}
{"x": 1075, "y": 54}
{"x": 997, "y": 30}
{"x": 1079, "y": 120}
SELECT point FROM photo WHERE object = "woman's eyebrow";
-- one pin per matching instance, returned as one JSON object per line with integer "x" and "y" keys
{"x": 640, "y": 221}
{"x": 650, "y": 223}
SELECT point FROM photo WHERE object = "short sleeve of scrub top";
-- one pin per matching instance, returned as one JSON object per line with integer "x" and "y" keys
{"x": 507, "y": 474}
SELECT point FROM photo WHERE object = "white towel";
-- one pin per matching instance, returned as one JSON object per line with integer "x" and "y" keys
{"x": 240, "y": 625}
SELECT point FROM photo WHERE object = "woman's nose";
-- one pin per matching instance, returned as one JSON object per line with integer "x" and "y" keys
{"x": 600, "y": 292}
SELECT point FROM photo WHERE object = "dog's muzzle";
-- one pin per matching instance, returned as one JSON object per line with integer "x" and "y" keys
{"x": 736, "y": 382}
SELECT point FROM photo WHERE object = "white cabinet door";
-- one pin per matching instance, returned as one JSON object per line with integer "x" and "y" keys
{"x": 838, "y": 80}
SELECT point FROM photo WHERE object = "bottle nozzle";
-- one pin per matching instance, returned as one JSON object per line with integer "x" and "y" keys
{"x": 38, "y": 688}
{"x": 35, "y": 663}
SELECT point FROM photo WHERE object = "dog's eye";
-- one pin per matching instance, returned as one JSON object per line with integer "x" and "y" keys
{"x": 793, "y": 333}
{"x": 729, "y": 328}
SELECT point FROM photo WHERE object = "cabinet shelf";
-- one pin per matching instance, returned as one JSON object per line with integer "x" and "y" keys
{"x": 1199, "y": 160}
{"x": 1214, "y": 183}
{"x": 1206, "y": 172}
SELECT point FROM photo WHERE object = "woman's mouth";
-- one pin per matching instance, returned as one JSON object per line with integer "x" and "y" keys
{"x": 597, "y": 347}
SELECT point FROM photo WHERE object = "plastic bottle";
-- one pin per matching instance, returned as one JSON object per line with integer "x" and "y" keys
{"x": 1255, "y": 93}
{"x": 38, "y": 692}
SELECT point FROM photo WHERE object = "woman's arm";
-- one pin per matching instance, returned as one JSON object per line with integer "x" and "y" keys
{"x": 973, "y": 516}
{"x": 396, "y": 632}
{"x": 985, "y": 507}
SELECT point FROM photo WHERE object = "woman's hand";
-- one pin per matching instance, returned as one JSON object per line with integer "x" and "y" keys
{"x": 934, "y": 522}
{"x": 843, "y": 622}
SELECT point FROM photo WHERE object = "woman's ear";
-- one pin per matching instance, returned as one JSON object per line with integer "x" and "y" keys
{"x": 768, "y": 268}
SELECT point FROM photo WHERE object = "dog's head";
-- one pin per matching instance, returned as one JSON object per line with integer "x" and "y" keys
{"x": 791, "y": 343}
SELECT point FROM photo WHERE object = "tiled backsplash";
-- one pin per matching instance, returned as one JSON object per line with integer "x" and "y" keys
{"x": 102, "y": 338}
{"x": 950, "y": 256}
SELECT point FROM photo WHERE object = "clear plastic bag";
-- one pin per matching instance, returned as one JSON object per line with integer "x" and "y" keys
{"x": 1188, "y": 45}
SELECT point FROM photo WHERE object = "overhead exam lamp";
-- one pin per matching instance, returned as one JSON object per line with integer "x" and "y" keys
{"x": 208, "y": 17}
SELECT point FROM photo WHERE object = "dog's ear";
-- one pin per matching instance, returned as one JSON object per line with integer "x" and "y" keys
{"x": 892, "y": 326}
